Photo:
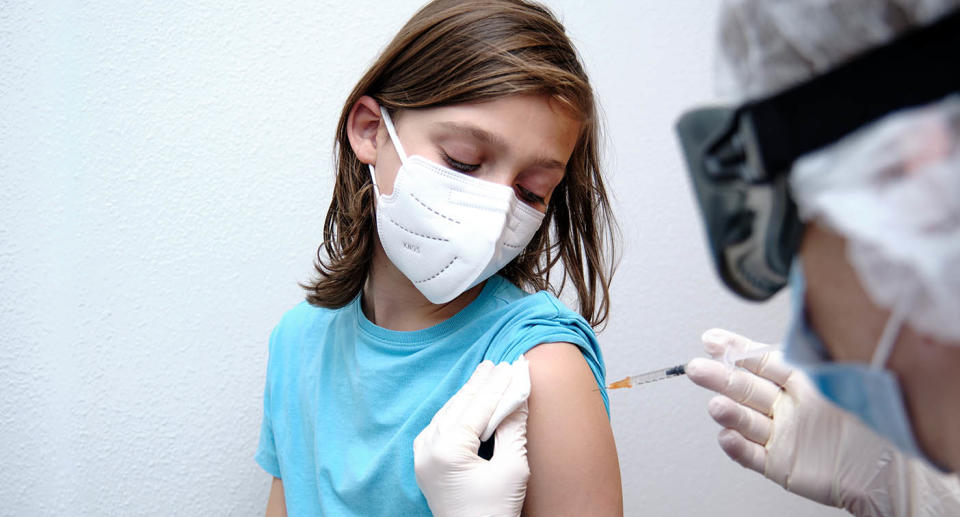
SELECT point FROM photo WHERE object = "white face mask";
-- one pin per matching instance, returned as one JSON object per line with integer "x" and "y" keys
{"x": 447, "y": 231}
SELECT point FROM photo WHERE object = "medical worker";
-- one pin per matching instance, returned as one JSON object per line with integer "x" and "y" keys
{"x": 839, "y": 174}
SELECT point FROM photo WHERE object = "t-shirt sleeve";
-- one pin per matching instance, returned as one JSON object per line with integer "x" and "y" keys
{"x": 266, "y": 455}
{"x": 544, "y": 319}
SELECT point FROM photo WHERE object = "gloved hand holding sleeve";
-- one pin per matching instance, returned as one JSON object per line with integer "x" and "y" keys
{"x": 776, "y": 423}
{"x": 455, "y": 480}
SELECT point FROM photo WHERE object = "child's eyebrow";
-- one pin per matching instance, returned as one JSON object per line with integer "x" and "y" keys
{"x": 495, "y": 141}
{"x": 474, "y": 132}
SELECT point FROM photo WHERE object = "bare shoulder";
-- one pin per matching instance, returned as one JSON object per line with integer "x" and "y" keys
{"x": 573, "y": 459}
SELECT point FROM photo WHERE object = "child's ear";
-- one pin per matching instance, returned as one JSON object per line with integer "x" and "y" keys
{"x": 363, "y": 125}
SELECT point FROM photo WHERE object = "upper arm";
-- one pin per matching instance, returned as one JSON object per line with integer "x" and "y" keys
{"x": 276, "y": 505}
{"x": 573, "y": 459}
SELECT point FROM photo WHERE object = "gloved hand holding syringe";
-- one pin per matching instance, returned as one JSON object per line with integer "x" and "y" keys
{"x": 729, "y": 358}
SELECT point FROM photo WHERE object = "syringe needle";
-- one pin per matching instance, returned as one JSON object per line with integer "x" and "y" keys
{"x": 729, "y": 358}
{"x": 643, "y": 378}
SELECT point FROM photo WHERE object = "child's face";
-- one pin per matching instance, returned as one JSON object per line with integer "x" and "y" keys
{"x": 521, "y": 141}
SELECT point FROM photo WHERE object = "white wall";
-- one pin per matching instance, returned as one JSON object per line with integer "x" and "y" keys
{"x": 166, "y": 169}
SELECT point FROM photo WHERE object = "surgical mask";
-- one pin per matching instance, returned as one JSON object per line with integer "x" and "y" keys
{"x": 870, "y": 392}
{"x": 447, "y": 231}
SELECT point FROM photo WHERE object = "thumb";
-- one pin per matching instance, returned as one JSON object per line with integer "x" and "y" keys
{"x": 515, "y": 395}
{"x": 510, "y": 453}
{"x": 511, "y": 435}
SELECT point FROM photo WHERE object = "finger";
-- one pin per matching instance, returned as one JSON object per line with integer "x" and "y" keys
{"x": 740, "y": 385}
{"x": 469, "y": 388}
{"x": 421, "y": 440}
{"x": 751, "y": 424}
{"x": 769, "y": 366}
{"x": 510, "y": 453}
{"x": 480, "y": 376}
{"x": 742, "y": 451}
{"x": 463, "y": 396}
{"x": 707, "y": 373}
{"x": 511, "y": 434}
{"x": 475, "y": 415}
{"x": 516, "y": 394}
{"x": 717, "y": 341}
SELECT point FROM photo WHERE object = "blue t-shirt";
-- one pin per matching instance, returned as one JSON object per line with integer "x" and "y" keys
{"x": 344, "y": 398}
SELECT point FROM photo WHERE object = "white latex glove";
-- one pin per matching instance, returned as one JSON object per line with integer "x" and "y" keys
{"x": 453, "y": 478}
{"x": 778, "y": 424}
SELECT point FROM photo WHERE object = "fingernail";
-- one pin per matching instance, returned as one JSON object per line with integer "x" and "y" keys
{"x": 715, "y": 407}
{"x": 708, "y": 335}
{"x": 696, "y": 367}
{"x": 727, "y": 437}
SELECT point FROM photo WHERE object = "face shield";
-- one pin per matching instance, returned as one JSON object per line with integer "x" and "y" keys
{"x": 739, "y": 158}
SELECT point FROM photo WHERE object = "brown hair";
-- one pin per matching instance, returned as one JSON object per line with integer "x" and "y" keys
{"x": 455, "y": 51}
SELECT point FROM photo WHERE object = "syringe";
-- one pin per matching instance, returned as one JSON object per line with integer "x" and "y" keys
{"x": 729, "y": 358}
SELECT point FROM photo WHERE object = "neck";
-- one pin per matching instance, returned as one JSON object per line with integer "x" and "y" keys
{"x": 390, "y": 300}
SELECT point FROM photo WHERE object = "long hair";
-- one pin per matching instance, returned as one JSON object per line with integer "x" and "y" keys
{"x": 456, "y": 51}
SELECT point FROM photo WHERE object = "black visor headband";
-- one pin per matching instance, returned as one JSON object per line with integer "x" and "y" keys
{"x": 739, "y": 157}
{"x": 915, "y": 69}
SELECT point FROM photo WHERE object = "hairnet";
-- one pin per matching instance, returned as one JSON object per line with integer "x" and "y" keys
{"x": 892, "y": 188}
{"x": 769, "y": 45}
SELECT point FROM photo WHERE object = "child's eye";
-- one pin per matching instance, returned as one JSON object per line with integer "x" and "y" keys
{"x": 530, "y": 197}
{"x": 458, "y": 165}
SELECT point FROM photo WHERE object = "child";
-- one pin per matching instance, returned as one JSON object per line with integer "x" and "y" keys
{"x": 467, "y": 169}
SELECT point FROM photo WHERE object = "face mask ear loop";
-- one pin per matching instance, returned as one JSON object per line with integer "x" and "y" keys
{"x": 373, "y": 179}
{"x": 890, "y": 333}
{"x": 392, "y": 131}
{"x": 880, "y": 357}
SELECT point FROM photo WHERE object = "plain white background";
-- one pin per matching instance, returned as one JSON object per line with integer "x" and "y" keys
{"x": 166, "y": 169}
